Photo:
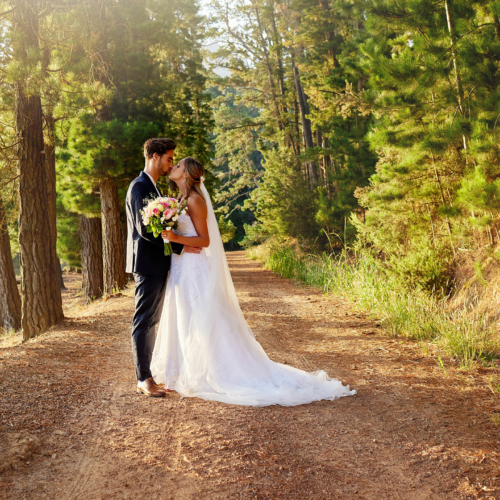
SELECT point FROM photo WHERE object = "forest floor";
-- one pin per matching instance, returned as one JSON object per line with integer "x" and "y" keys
{"x": 72, "y": 426}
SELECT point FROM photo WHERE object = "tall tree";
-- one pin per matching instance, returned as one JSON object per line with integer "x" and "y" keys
{"x": 92, "y": 262}
{"x": 41, "y": 299}
{"x": 153, "y": 72}
{"x": 311, "y": 48}
{"x": 10, "y": 301}
{"x": 435, "y": 74}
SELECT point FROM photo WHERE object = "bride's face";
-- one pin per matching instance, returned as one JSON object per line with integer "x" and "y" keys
{"x": 177, "y": 172}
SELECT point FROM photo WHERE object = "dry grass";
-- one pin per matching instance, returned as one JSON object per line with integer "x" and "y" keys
{"x": 464, "y": 334}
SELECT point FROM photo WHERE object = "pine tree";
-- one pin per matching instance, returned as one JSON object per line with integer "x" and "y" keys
{"x": 301, "y": 55}
{"x": 10, "y": 301}
{"x": 156, "y": 90}
{"x": 41, "y": 298}
{"x": 434, "y": 88}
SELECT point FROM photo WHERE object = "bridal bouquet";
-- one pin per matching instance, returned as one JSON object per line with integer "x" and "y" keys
{"x": 162, "y": 213}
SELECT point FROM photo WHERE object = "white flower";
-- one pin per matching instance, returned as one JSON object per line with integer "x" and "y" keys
{"x": 169, "y": 229}
{"x": 183, "y": 212}
{"x": 146, "y": 221}
{"x": 175, "y": 217}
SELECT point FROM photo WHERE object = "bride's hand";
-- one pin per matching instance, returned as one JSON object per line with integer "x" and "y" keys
{"x": 168, "y": 235}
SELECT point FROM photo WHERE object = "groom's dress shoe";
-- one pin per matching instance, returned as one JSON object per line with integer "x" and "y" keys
{"x": 150, "y": 388}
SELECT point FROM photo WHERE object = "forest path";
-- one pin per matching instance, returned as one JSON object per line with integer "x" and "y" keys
{"x": 74, "y": 428}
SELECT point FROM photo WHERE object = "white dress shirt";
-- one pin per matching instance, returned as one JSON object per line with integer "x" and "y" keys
{"x": 154, "y": 183}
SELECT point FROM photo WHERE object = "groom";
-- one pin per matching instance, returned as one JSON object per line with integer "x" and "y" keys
{"x": 145, "y": 259}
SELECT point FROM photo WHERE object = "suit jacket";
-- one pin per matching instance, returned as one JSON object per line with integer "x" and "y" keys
{"x": 144, "y": 251}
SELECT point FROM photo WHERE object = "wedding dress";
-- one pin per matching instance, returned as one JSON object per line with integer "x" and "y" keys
{"x": 204, "y": 347}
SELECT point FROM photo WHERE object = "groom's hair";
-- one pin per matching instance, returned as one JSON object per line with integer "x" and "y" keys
{"x": 158, "y": 145}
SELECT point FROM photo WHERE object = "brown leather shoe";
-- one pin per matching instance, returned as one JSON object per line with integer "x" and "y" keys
{"x": 150, "y": 389}
{"x": 163, "y": 388}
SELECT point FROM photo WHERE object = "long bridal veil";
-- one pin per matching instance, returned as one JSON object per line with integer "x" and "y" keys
{"x": 205, "y": 347}
{"x": 221, "y": 298}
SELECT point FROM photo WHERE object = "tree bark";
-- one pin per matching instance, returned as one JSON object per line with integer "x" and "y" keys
{"x": 279, "y": 57}
{"x": 265, "y": 51}
{"x": 114, "y": 270}
{"x": 306, "y": 125}
{"x": 62, "y": 286}
{"x": 296, "y": 114}
{"x": 50, "y": 175}
{"x": 329, "y": 35}
{"x": 123, "y": 221}
{"x": 496, "y": 22}
{"x": 92, "y": 257}
{"x": 10, "y": 301}
{"x": 39, "y": 309}
{"x": 39, "y": 312}
{"x": 281, "y": 77}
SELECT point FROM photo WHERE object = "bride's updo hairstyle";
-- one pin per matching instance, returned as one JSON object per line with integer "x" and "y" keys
{"x": 193, "y": 175}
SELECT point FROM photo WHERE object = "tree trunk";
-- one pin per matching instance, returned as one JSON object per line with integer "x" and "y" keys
{"x": 329, "y": 35}
{"x": 328, "y": 167}
{"x": 114, "y": 270}
{"x": 10, "y": 301}
{"x": 123, "y": 221}
{"x": 443, "y": 201}
{"x": 265, "y": 51}
{"x": 62, "y": 286}
{"x": 278, "y": 51}
{"x": 279, "y": 60}
{"x": 306, "y": 125}
{"x": 39, "y": 308}
{"x": 496, "y": 22}
{"x": 458, "y": 80}
{"x": 50, "y": 175}
{"x": 92, "y": 257}
{"x": 296, "y": 114}
{"x": 39, "y": 312}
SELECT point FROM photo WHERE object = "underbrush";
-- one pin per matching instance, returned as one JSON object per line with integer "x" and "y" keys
{"x": 413, "y": 314}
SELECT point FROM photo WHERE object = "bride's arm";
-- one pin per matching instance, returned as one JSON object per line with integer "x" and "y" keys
{"x": 197, "y": 209}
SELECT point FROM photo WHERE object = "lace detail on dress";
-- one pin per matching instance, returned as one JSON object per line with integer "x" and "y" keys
{"x": 188, "y": 267}
{"x": 185, "y": 226}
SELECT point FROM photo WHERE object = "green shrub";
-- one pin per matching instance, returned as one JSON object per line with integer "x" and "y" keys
{"x": 410, "y": 313}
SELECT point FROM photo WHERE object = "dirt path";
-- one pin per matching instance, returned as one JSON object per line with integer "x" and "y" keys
{"x": 72, "y": 426}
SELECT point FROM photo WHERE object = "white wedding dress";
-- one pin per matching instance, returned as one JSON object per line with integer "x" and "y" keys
{"x": 205, "y": 348}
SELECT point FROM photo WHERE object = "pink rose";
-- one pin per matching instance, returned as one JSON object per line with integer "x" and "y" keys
{"x": 155, "y": 211}
{"x": 168, "y": 213}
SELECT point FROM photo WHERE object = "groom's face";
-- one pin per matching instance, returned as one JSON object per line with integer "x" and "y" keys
{"x": 165, "y": 163}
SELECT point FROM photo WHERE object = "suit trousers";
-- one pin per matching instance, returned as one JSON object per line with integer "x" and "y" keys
{"x": 149, "y": 295}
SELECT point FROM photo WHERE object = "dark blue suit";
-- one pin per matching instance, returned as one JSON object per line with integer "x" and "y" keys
{"x": 149, "y": 265}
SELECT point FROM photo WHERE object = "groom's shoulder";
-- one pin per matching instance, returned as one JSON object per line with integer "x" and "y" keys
{"x": 138, "y": 184}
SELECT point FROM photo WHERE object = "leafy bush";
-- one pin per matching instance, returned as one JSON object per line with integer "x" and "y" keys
{"x": 227, "y": 229}
{"x": 254, "y": 234}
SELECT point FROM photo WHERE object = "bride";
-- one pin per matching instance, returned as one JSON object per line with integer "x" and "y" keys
{"x": 204, "y": 347}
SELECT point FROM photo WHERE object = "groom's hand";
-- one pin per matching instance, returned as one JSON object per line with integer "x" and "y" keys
{"x": 188, "y": 249}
